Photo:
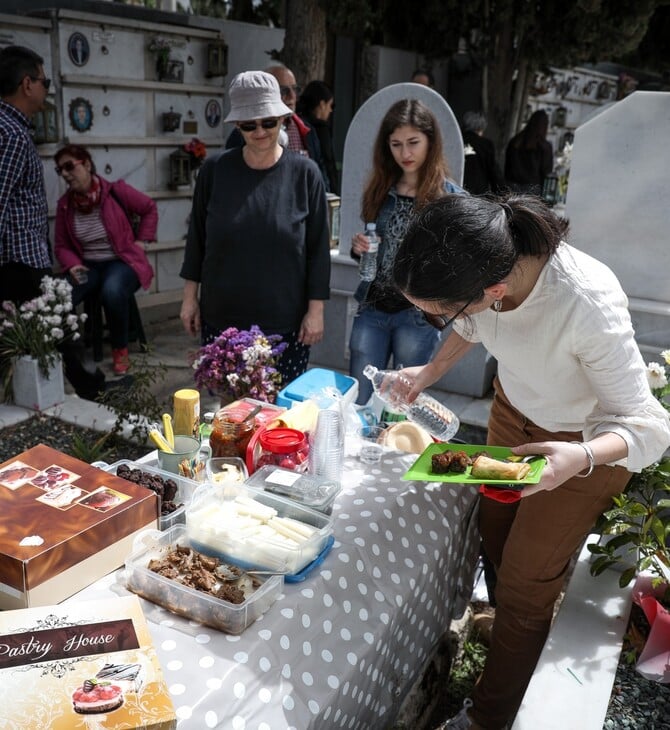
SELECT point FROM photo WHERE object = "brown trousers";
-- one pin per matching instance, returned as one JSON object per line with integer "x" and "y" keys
{"x": 530, "y": 543}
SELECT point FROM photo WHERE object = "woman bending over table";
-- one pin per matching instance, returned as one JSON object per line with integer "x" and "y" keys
{"x": 408, "y": 170}
{"x": 571, "y": 385}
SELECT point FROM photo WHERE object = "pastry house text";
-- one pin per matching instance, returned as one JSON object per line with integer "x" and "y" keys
{"x": 65, "y": 642}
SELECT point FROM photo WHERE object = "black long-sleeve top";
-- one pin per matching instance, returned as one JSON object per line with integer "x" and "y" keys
{"x": 258, "y": 242}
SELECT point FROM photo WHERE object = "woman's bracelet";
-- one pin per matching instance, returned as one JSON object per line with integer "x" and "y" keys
{"x": 589, "y": 456}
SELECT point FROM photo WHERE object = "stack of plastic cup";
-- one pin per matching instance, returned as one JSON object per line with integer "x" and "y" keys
{"x": 327, "y": 448}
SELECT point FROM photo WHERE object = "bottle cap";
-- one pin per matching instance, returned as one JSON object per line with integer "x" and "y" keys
{"x": 282, "y": 440}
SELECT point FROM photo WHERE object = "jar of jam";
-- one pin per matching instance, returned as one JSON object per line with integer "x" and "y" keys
{"x": 285, "y": 447}
{"x": 231, "y": 433}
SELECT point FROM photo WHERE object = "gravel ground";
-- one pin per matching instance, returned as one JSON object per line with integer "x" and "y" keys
{"x": 59, "y": 435}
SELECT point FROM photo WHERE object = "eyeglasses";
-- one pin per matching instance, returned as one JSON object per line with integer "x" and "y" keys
{"x": 264, "y": 123}
{"x": 67, "y": 166}
{"x": 289, "y": 90}
{"x": 45, "y": 82}
{"x": 439, "y": 321}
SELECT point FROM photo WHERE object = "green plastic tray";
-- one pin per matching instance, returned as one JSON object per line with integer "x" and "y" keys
{"x": 420, "y": 471}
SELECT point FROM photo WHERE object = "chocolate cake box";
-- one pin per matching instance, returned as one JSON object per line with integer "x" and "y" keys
{"x": 63, "y": 525}
{"x": 87, "y": 665}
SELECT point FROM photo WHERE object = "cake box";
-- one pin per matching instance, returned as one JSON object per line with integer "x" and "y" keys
{"x": 63, "y": 525}
{"x": 88, "y": 665}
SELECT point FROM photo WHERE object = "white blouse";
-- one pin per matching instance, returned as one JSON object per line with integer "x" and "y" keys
{"x": 568, "y": 360}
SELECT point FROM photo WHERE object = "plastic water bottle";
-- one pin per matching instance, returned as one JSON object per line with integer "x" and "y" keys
{"x": 368, "y": 263}
{"x": 392, "y": 387}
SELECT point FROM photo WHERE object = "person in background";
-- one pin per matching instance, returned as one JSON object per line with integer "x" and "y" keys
{"x": 424, "y": 77}
{"x": 481, "y": 172}
{"x": 529, "y": 157}
{"x": 25, "y": 256}
{"x": 257, "y": 249}
{"x": 296, "y": 136}
{"x": 571, "y": 386}
{"x": 96, "y": 244}
{"x": 408, "y": 170}
{"x": 315, "y": 107}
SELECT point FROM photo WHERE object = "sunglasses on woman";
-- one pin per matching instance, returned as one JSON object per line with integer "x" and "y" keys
{"x": 264, "y": 123}
{"x": 67, "y": 166}
{"x": 439, "y": 321}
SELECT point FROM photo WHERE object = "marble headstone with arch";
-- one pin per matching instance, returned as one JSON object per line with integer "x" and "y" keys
{"x": 617, "y": 204}
{"x": 357, "y": 157}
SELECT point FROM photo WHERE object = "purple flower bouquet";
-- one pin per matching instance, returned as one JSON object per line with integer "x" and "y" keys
{"x": 240, "y": 363}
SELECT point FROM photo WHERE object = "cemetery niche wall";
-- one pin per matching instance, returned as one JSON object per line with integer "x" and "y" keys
{"x": 115, "y": 79}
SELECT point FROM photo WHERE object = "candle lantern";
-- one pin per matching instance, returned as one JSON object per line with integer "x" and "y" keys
{"x": 180, "y": 169}
{"x": 171, "y": 120}
{"x": 45, "y": 124}
{"x": 550, "y": 188}
{"x": 217, "y": 58}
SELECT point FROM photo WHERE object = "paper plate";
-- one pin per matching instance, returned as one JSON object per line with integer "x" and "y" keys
{"x": 421, "y": 469}
{"x": 406, "y": 436}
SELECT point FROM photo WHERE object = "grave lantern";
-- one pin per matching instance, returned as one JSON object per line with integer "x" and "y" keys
{"x": 45, "y": 124}
{"x": 171, "y": 120}
{"x": 550, "y": 188}
{"x": 217, "y": 58}
{"x": 180, "y": 169}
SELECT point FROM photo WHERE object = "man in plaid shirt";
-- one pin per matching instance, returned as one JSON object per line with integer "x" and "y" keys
{"x": 25, "y": 254}
{"x": 24, "y": 246}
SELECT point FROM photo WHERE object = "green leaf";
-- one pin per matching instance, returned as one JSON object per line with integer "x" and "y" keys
{"x": 627, "y": 576}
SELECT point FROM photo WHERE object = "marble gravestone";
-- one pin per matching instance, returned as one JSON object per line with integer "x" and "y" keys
{"x": 473, "y": 375}
{"x": 357, "y": 158}
{"x": 617, "y": 204}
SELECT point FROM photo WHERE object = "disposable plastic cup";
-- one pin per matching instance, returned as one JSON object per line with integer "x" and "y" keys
{"x": 327, "y": 449}
{"x": 371, "y": 449}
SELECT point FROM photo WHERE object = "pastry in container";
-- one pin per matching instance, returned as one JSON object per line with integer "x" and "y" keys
{"x": 152, "y": 547}
{"x": 180, "y": 489}
{"x": 256, "y": 529}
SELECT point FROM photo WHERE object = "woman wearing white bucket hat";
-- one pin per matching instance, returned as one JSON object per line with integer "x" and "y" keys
{"x": 257, "y": 250}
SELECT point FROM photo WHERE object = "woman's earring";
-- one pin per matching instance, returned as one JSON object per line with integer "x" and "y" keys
{"x": 497, "y": 306}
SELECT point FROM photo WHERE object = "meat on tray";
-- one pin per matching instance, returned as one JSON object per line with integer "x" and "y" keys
{"x": 450, "y": 462}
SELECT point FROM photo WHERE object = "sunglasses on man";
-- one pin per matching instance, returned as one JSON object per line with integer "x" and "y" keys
{"x": 289, "y": 90}
{"x": 67, "y": 166}
{"x": 264, "y": 123}
{"x": 45, "y": 82}
{"x": 439, "y": 321}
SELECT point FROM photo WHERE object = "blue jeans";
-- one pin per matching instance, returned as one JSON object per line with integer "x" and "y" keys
{"x": 114, "y": 282}
{"x": 375, "y": 336}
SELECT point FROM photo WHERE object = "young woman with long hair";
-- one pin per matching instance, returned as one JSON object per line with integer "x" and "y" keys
{"x": 408, "y": 170}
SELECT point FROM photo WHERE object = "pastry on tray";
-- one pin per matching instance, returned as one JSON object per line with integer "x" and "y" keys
{"x": 484, "y": 467}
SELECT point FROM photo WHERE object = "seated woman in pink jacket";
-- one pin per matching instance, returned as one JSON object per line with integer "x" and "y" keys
{"x": 96, "y": 244}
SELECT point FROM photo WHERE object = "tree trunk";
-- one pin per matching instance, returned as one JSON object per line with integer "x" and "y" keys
{"x": 499, "y": 72}
{"x": 305, "y": 40}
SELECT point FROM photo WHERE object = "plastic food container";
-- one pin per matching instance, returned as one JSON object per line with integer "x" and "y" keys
{"x": 238, "y": 523}
{"x": 225, "y": 469}
{"x": 185, "y": 488}
{"x": 307, "y": 489}
{"x": 285, "y": 447}
{"x": 188, "y": 602}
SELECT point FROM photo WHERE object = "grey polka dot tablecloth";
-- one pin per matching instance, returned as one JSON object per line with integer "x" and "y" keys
{"x": 342, "y": 648}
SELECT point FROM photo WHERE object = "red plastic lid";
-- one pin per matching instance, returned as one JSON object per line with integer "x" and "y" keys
{"x": 282, "y": 440}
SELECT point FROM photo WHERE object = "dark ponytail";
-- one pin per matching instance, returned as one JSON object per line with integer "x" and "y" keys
{"x": 458, "y": 246}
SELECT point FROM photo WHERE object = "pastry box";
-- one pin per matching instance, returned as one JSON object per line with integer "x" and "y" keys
{"x": 256, "y": 529}
{"x": 172, "y": 510}
{"x": 309, "y": 490}
{"x": 81, "y": 665}
{"x": 171, "y": 553}
{"x": 63, "y": 525}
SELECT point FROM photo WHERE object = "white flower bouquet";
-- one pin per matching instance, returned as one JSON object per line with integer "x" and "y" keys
{"x": 38, "y": 327}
